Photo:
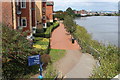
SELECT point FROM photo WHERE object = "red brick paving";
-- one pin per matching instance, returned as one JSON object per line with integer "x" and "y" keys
{"x": 60, "y": 39}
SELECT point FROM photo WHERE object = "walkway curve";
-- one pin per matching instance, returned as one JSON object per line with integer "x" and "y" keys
{"x": 74, "y": 64}
{"x": 61, "y": 39}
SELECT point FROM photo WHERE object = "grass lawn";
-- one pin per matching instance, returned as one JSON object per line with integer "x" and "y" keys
{"x": 56, "y": 54}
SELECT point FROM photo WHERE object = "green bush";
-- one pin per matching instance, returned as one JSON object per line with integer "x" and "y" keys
{"x": 49, "y": 24}
{"x": 69, "y": 23}
{"x": 45, "y": 58}
{"x": 42, "y": 44}
{"x": 50, "y": 29}
{"x": 38, "y": 35}
{"x": 39, "y": 30}
{"x": 47, "y": 33}
{"x": 15, "y": 51}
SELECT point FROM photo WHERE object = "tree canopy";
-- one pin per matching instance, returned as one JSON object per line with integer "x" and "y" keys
{"x": 15, "y": 51}
{"x": 70, "y": 12}
{"x": 69, "y": 23}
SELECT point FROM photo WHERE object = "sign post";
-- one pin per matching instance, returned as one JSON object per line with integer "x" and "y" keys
{"x": 34, "y": 60}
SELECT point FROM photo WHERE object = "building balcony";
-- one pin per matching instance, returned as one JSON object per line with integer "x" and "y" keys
{"x": 33, "y": 9}
{"x": 18, "y": 10}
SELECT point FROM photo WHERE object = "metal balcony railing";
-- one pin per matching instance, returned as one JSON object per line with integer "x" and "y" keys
{"x": 18, "y": 10}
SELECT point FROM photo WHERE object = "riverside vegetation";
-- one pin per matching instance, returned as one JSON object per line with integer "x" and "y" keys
{"x": 108, "y": 56}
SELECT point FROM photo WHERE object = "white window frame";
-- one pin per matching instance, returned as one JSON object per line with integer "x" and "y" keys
{"x": 22, "y": 3}
{"x": 22, "y": 22}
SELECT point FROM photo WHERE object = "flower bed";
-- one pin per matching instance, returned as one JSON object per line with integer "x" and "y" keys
{"x": 41, "y": 43}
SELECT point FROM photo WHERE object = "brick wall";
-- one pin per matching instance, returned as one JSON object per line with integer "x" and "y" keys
{"x": 7, "y": 13}
{"x": 25, "y": 13}
{"x": 49, "y": 11}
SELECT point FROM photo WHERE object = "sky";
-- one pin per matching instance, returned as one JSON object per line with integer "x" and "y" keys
{"x": 90, "y": 5}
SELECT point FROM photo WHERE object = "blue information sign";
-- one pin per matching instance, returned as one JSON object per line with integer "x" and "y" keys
{"x": 33, "y": 60}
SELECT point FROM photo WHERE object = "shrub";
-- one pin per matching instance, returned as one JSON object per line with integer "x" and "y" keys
{"x": 47, "y": 33}
{"x": 50, "y": 29}
{"x": 39, "y": 35}
{"x": 39, "y": 30}
{"x": 15, "y": 51}
{"x": 107, "y": 55}
{"x": 45, "y": 58}
{"x": 49, "y": 24}
{"x": 42, "y": 44}
{"x": 70, "y": 25}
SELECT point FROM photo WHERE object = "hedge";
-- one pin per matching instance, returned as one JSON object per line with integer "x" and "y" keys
{"x": 39, "y": 34}
{"x": 47, "y": 33}
{"x": 50, "y": 29}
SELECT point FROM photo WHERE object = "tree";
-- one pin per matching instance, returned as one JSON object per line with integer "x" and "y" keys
{"x": 69, "y": 23}
{"x": 60, "y": 15}
{"x": 15, "y": 51}
{"x": 70, "y": 12}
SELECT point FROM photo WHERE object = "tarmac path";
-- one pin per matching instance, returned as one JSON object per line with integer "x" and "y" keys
{"x": 74, "y": 64}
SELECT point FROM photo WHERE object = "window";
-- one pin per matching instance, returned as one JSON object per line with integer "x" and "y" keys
{"x": 43, "y": 9}
{"x": 23, "y": 3}
{"x": 44, "y": 17}
{"x": 23, "y": 22}
{"x": 17, "y": 1}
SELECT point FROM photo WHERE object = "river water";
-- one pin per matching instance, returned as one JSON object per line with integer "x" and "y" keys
{"x": 102, "y": 28}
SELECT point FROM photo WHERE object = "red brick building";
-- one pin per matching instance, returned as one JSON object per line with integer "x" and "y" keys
{"x": 19, "y": 14}
{"x": 25, "y": 15}
{"x": 22, "y": 14}
{"x": 44, "y": 14}
{"x": 6, "y": 13}
{"x": 49, "y": 11}
{"x": 81, "y": 12}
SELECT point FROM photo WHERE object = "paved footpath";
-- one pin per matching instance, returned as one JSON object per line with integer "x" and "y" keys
{"x": 84, "y": 67}
{"x": 60, "y": 39}
{"x": 74, "y": 64}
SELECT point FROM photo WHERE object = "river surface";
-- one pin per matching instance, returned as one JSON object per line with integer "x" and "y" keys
{"x": 102, "y": 28}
